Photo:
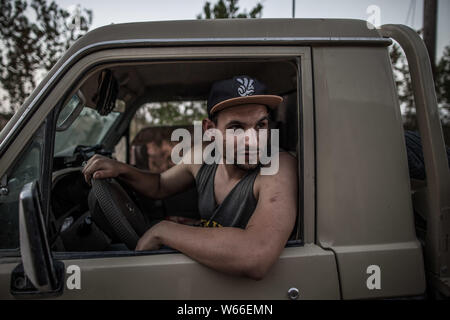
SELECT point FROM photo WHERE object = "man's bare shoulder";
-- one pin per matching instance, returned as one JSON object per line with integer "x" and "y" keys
{"x": 287, "y": 165}
{"x": 288, "y": 160}
{"x": 284, "y": 177}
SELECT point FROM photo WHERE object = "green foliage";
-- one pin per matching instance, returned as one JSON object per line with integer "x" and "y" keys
{"x": 33, "y": 36}
{"x": 228, "y": 9}
{"x": 167, "y": 114}
{"x": 173, "y": 113}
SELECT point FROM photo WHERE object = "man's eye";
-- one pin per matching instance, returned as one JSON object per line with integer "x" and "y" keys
{"x": 261, "y": 125}
{"x": 235, "y": 127}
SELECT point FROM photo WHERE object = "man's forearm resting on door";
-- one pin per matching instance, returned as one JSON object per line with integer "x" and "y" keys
{"x": 247, "y": 252}
{"x": 231, "y": 250}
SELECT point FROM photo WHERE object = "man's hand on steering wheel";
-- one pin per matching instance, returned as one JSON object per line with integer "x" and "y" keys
{"x": 119, "y": 213}
{"x": 101, "y": 167}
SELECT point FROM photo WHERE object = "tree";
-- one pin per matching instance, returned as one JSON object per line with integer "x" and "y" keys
{"x": 403, "y": 83}
{"x": 443, "y": 85}
{"x": 174, "y": 113}
{"x": 167, "y": 113}
{"x": 405, "y": 93}
{"x": 228, "y": 9}
{"x": 33, "y": 36}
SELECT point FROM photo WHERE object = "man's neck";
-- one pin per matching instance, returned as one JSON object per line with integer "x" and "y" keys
{"x": 232, "y": 172}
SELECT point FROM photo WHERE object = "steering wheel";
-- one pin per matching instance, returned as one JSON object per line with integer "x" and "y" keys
{"x": 115, "y": 212}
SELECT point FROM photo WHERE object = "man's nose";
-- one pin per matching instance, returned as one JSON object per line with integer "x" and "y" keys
{"x": 251, "y": 138}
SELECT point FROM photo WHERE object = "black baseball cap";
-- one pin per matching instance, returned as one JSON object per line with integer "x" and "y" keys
{"x": 239, "y": 90}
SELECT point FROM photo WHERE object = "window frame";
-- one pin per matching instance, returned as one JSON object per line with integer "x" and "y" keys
{"x": 43, "y": 134}
{"x": 301, "y": 54}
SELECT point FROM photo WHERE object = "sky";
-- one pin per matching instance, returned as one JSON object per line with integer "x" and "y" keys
{"x": 409, "y": 12}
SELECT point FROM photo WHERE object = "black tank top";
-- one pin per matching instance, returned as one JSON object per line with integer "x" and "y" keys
{"x": 237, "y": 207}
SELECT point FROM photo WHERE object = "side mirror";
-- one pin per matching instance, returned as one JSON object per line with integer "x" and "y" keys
{"x": 38, "y": 274}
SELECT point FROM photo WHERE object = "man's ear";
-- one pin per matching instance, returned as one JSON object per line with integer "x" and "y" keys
{"x": 208, "y": 124}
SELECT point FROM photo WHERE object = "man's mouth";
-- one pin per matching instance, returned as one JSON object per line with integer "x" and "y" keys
{"x": 247, "y": 155}
{"x": 248, "y": 152}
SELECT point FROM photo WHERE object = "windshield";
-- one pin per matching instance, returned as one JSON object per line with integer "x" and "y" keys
{"x": 88, "y": 129}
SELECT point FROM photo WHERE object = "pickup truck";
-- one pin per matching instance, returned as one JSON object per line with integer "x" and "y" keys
{"x": 365, "y": 229}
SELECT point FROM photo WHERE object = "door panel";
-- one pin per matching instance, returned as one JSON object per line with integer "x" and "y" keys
{"x": 364, "y": 207}
{"x": 308, "y": 268}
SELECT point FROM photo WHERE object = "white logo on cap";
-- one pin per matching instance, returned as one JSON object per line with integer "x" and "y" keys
{"x": 246, "y": 88}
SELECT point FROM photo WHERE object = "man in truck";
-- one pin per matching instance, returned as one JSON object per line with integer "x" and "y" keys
{"x": 254, "y": 213}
